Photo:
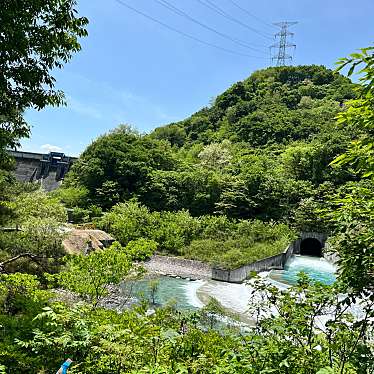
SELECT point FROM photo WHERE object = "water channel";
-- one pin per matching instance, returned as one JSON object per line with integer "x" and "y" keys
{"x": 317, "y": 268}
{"x": 188, "y": 294}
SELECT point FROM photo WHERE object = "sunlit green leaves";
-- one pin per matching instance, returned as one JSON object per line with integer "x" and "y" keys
{"x": 359, "y": 115}
{"x": 90, "y": 275}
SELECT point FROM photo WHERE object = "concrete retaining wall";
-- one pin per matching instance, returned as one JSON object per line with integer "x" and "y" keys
{"x": 240, "y": 274}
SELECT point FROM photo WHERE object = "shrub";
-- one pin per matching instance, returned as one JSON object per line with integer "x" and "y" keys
{"x": 214, "y": 239}
{"x": 141, "y": 249}
{"x": 78, "y": 215}
{"x": 233, "y": 253}
{"x": 127, "y": 221}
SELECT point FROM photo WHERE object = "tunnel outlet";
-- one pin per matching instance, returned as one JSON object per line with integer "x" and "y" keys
{"x": 311, "y": 247}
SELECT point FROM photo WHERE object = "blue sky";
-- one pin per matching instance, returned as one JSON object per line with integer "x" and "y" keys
{"x": 132, "y": 70}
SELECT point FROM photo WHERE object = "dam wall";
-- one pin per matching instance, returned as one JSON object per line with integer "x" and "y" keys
{"x": 47, "y": 169}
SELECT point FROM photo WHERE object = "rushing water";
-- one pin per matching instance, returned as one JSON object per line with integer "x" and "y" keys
{"x": 192, "y": 294}
{"x": 317, "y": 268}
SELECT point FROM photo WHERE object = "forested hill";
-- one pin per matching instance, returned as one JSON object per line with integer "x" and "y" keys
{"x": 274, "y": 105}
{"x": 261, "y": 150}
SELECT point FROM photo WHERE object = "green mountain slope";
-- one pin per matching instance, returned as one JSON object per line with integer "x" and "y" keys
{"x": 258, "y": 151}
{"x": 275, "y": 105}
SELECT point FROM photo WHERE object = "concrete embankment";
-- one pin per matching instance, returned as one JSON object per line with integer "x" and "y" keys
{"x": 238, "y": 275}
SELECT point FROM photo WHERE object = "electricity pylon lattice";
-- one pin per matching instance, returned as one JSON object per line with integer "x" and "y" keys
{"x": 283, "y": 46}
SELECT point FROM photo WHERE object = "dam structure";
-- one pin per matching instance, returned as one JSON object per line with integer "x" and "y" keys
{"x": 47, "y": 169}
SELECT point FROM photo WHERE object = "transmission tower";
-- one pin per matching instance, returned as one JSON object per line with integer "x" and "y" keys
{"x": 283, "y": 45}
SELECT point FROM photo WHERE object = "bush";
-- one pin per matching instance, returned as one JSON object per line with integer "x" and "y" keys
{"x": 72, "y": 196}
{"x": 127, "y": 221}
{"x": 233, "y": 253}
{"x": 173, "y": 231}
{"x": 78, "y": 215}
{"x": 245, "y": 242}
{"x": 216, "y": 227}
{"x": 141, "y": 249}
{"x": 259, "y": 231}
{"x": 214, "y": 239}
{"x": 132, "y": 221}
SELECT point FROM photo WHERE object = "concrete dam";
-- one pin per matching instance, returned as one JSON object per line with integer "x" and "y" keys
{"x": 46, "y": 169}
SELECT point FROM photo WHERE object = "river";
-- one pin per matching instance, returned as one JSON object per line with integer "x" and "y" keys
{"x": 187, "y": 294}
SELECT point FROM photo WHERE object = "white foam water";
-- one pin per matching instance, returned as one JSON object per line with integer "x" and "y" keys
{"x": 238, "y": 297}
{"x": 318, "y": 269}
{"x": 230, "y": 295}
{"x": 190, "y": 290}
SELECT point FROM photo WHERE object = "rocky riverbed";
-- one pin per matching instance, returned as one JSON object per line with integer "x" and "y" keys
{"x": 178, "y": 267}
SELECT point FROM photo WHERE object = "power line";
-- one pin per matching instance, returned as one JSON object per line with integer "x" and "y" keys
{"x": 223, "y": 13}
{"x": 251, "y": 14}
{"x": 180, "y": 12}
{"x": 281, "y": 57}
{"x": 182, "y": 32}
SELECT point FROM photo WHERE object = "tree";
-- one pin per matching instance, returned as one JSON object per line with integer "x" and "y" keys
{"x": 37, "y": 37}
{"x": 33, "y": 205}
{"x": 153, "y": 286}
{"x": 127, "y": 221}
{"x": 351, "y": 215}
{"x": 360, "y": 114}
{"x": 310, "y": 161}
{"x": 19, "y": 292}
{"x": 309, "y": 327}
{"x": 34, "y": 243}
{"x": 90, "y": 275}
{"x": 141, "y": 249}
{"x": 72, "y": 196}
{"x": 117, "y": 166}
{"x": 142, "y": 231}
{"x": 174, "y": 134}
{"x": 216, "y": 156}
{"x": 353, "y": 212}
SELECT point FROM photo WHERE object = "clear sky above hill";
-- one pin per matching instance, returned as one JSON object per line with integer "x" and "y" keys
{"x": 134, "y": 70}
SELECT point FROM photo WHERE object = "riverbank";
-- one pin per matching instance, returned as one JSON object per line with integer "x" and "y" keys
{"x": 178, "y": 267}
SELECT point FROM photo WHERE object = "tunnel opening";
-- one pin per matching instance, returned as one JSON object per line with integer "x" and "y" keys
{"x": 311, "y": 247}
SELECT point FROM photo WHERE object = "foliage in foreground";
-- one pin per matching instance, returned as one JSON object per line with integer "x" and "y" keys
{"x": 37, "y": 38}
{"x": 90, "y": 275}
{"x": 292, "y": 336}
{"x": 353, "y": 208}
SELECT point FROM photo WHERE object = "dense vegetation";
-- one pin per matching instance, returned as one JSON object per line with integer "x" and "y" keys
{"x": 260, "y": 152}
{"x": 214, "y": 239}
{"x": 104, "y": 341}
{"x": 232, "y": 182}
{"x": 263, "y": 146}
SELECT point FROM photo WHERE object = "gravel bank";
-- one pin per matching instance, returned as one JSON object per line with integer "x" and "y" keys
{"x": 178, "y": 267}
